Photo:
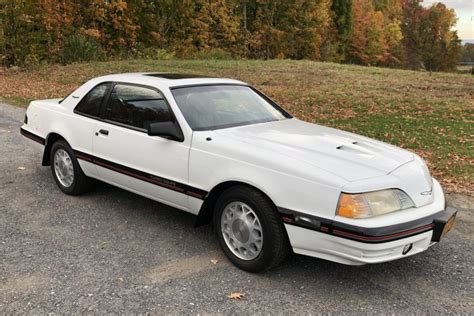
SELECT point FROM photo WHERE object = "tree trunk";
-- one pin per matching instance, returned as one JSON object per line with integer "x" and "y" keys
{"x": 245, "y": 14}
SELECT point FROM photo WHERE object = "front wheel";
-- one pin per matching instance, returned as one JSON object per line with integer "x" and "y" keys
{"x": 66, "y": 170}
{"x": 249, "y": 229}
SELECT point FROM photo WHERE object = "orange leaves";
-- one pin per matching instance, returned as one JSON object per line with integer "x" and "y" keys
{"x": 92, "y": 32}
{"x": 236, "y": 296}
{"x": 368, "y": 42}
{"x": 119, "y": 5}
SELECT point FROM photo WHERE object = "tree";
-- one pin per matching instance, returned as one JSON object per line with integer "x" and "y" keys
{"x": 429, "y": 40}
{"x": 468, "y": 53}
{"x": 376, "y": 34}
{"x": 367, "y": 45}
{"x": 342, "y": 19}
{"x": 412, "y": 11}
{"x": 25, "y": 38}
{"x": 439, "y": 46}
{"x": 393, "y": 14}
{"x": 304, "y": 25}
{"x": 369, "y": 32}
{"x": 266, "y": 37}
{"x": 216, "y": 25}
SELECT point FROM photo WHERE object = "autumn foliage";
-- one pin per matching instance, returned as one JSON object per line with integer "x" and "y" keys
{"x": 400, "y": 33}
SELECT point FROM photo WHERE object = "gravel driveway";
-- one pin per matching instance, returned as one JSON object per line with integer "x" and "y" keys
{"x": 114, "y": 251}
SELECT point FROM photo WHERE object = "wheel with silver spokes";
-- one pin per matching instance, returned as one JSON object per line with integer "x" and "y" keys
{"x": 66, "y": 170}
{"x": 249, "y": 229}
{"x": 63, "y": 167}
{"x": 242, "y": 230}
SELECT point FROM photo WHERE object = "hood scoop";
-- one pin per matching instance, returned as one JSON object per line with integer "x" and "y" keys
{"x": 356, "y": 148}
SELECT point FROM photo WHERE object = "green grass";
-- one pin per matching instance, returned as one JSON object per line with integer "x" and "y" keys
{"x": 431, "y": 114}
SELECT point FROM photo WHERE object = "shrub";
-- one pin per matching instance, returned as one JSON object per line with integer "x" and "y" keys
{"x": 79, "y": 48}
{"x": 212, "y": 54}
{"x": 155, "y": 53}
{"x": 31, "y": 60}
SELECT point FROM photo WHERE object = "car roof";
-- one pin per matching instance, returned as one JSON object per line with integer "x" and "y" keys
{"x": 166, "y": 79}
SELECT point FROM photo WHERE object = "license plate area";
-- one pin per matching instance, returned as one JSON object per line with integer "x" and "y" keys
{"x": 443, "y": 224}
{"x": 448, "y": 226}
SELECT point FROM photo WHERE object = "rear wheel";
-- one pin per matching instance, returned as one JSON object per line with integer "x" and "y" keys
{"x": 66, "y": 170}
{"x": 249, "y": 229}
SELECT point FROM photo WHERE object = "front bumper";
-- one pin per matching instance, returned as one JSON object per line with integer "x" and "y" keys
{"x": 358, "y": 245}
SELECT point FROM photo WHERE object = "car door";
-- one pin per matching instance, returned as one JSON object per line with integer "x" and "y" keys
{"x": 128, "y": 157}
{"x": 87, "y": 112}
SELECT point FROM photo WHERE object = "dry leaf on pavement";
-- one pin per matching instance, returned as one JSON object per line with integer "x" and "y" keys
{"x": 236, "y": 296}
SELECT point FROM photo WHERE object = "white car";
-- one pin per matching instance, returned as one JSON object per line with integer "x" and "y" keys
{"x": 222, "y": 150}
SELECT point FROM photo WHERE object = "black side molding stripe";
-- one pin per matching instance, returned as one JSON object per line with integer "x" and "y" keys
{"x": 358, "y": 233}
{"x": 32, "y": 136}
{"x": 140, "y": 175}
{"x": 385, "y": 238}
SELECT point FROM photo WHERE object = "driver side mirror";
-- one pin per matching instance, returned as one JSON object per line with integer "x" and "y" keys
{"x": 167, "y": 130}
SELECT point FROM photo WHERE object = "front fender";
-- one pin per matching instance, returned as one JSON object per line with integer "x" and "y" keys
{"x": 216, "y": 162}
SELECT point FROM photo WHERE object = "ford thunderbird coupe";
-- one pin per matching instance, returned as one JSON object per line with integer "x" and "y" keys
{"x": 223, "y": 151}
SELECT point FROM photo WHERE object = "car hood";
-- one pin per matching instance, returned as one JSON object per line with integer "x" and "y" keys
{"x": 349, "y": 156}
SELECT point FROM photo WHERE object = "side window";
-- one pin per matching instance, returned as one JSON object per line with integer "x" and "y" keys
{"x": 137, "y": 106}
{"x": 90, "y": 104}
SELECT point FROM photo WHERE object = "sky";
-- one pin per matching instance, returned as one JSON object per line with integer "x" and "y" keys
{"x": 465, "y": 13}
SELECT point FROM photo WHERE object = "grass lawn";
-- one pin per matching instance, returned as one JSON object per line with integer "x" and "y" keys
{"x": 432, "y": 115}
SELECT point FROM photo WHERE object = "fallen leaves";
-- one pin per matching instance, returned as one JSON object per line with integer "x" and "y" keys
{"x": 236, "y": 296}
{"x": 409, "y": 109}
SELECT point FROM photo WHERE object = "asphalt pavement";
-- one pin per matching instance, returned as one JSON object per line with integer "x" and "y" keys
{"x": 114, "y": 251}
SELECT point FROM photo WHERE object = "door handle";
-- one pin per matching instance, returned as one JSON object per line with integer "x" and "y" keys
{"x": 104, "y": 132}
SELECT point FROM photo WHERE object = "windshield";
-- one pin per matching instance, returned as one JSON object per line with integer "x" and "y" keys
{"x": 221, "y": 106}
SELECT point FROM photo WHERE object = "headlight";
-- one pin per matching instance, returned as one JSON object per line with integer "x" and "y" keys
{"x": 372, "y": 204}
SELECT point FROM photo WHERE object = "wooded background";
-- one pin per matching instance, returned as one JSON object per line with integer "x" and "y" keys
{"x": 395, "y": 33}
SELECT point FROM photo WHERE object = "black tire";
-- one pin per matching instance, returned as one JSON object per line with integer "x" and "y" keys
{"x": 81, "y": 182}
{"x": 275, "y": 247}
